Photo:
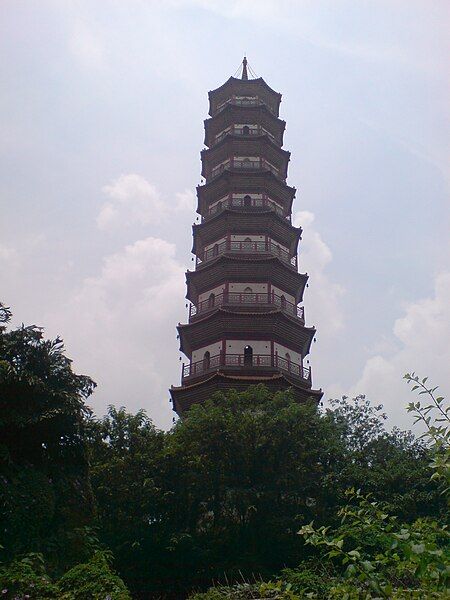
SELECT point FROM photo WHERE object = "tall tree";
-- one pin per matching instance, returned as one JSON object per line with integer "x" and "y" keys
{"x": 45, "y": 490}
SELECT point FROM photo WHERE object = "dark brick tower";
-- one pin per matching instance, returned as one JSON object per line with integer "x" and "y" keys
{"x": 245, "y": 325}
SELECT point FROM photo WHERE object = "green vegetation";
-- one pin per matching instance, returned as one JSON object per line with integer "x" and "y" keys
{"x": 251, "y": 492}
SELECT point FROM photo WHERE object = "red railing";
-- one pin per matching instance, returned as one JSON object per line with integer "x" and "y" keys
{"x": 254, "y": 361}
{"x": 247, "y": 164}
{"x": 247, "y": 299}
{"x": 253, "y": 203}
{"x": 248, "y": 248}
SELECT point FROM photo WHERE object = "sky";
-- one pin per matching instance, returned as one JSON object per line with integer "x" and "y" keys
{"x": 102, "y": 105}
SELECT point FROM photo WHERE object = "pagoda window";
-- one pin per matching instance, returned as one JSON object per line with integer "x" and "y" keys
{"x": 247, "y": 200}
{"x": 283, "y": 301}
{"x": 211, "y": 300}
{"x": 248, "y": 356}
{"x": 246, "y": 130}
{"x": 206, "y": 360}
{"x": 215, "y": 249}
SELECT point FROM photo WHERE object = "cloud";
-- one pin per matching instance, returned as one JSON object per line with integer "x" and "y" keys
{"x": 8, "y": 254}
{"x": 86, "y": 46}
{"x": 422, "y": 337}
{"x": 120, "y": 327}
{"x": 323, "y": 297}
{"x": 133, "y": 200}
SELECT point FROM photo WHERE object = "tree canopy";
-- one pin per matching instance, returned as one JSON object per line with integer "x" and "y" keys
{"x": 218, "y": 498}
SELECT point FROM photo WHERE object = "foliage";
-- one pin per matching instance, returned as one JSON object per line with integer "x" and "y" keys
{"x": 380, "y": 555}
{"x": 221, "y": 492}
{"x": 219, "y": 497}
{"x": 384, "y": 558}
{"x": 311, "y": 578}
{"x": 245, "y": 591}
{"x": 26, "y": 578}
{"x": 227, "y": 488}
{"x": 93, "y": 580}
{"x": 436, "y": 417}
{"x": 44, "y": 480}
{"x": 392, "y": 466}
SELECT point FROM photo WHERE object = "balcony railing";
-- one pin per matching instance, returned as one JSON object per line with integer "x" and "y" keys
{"x": 252, "y": 362}
{"x": 247, "y": 299}
{"x": 268, "y": 247}
{"x": 253, "y": 203}
{"x": 243, "y": 102}
{"x": 245, "y": 164}
{"x": 244, "y": 132}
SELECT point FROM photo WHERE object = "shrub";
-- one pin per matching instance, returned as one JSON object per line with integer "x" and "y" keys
{"x": 93, "y": 580}
{"x": 25, "y": 579}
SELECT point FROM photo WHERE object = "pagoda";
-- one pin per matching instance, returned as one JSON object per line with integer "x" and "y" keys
{"x": 245, "y": 324}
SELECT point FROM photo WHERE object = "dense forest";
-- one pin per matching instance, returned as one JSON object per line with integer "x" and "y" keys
{"x": 250, "y": 496}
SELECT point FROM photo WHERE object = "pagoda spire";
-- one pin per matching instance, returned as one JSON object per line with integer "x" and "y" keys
{"x": 244, "y": 69}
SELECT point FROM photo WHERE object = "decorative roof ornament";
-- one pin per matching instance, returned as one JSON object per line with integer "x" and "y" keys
{"x": 244, "y": 69}
{"x": 244, "y": 72}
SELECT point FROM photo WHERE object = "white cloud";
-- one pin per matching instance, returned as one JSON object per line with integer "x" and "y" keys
{"x": 120, "y": 327}
{"x": 186, "y": 200}
{"x": 323, "y": 296}
{"x": 423, "y": 345}
{"x": 86, "y": 46}
{"x": 8, "y": 254}
{"x": 134, "y": 200}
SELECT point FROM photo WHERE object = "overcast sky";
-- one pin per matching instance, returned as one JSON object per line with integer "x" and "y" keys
{"x": 101, "y": 126}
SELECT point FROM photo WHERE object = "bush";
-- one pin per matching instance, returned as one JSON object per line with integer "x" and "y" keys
{"x": 246, "y": 591}
{"x": 26, "y": 579}
{"x": 310, "y": 577}
{"x": 93, "y": 580}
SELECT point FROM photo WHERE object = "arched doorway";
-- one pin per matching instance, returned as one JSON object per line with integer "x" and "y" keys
{"x": 246, "y": 130}
{"x": 248, "y": 295}
{"x": 247, "y": 244}
{"x": 283, "y": 302}
{"x": 248, "y": 356}
{"x": 247, "y": 200}
{"x": 215, "y": 249}
{"x": 211, "y": 300}
{"x": 206, "y": 360}
{"x": 287, "y": 356}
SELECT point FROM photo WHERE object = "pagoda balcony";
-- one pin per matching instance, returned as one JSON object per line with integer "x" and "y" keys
{"x": 248, "y": 300}
{"x": 255, "y": 101}
{"x": 253, "y": 364}
{"x": 247, "y": 165}
{"x": 255, "y": 204}
{"x": 245, "y": 132}
{"x": 245, "y": 247}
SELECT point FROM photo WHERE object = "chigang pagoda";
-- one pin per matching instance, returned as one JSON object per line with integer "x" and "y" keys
{"x": 245, "y": 324}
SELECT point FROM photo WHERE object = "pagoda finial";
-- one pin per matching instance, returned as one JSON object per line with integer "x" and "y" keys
{"x": 244, "y": 68}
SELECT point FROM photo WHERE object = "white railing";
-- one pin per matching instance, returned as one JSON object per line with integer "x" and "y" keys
{"x": 247, "y": 299}
{"x": 248, "y": 247}
{"x": 245, "y": 202}
{"x": 245, "y": 362}
{"x": 245, "y": 164}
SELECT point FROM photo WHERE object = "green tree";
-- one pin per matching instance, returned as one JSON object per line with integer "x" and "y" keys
{"x": 381, "y": 556}
{"x": 392, "y": 466}
{"x": 125, "y": 454}
{"x": 44, "y": 485}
